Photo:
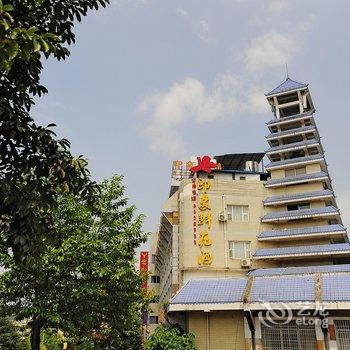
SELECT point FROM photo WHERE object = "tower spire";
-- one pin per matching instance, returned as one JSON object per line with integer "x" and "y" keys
{"x": 287, "y": 73}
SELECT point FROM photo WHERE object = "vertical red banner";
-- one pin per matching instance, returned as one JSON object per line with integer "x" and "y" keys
{"x": 144, "y": 266}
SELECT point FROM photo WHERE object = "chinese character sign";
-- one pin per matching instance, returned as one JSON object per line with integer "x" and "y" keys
{"x": 144, "y": 266}
{"x": 204, "y": 223}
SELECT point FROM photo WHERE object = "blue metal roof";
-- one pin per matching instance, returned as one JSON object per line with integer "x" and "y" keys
{"x": 298, "y": 196}
{"x": 295, "y": 284}
{"x": 298, "y": 178}
{"x": 300, "y": 270}
{"x": 312, "y": 158}
{"x": 302, "y": 231}
{"x": 303, "y": 250}
{"x": 336, "y": 287}
{"x": 224, "y": 290}
{"x": 287, "y": 85}
{"x": 296, "y": 288}
{"x": 292, "y": 132}
{"x": 294, "y": 145}
{"x": 299, "y": 214}
{"x": 290, "y": 118}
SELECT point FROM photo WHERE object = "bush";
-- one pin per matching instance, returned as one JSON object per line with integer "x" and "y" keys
{"x": 170, "y": 338}
{"x": 10, "y": 339}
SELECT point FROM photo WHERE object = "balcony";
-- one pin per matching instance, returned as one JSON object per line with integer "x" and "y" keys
{"x": 298, "y": 179}
{"x": 294, "y": 146}
{"x": 311, "y": 251}
{"x": 293, "y": 198}
{"x": 304, "y": 232}
{"x": 292, "y": 118}
{"x": 289, "y": 163}
{"x": 323, "y": 212}
{"x": 293, "y": 132}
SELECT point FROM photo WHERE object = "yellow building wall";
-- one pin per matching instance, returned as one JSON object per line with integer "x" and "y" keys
{"x": 223, "y": 330}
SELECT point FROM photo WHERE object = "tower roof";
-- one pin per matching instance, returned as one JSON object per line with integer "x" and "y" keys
{"x": 287, "y": 85}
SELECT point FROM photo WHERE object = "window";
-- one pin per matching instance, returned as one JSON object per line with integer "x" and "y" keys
{"x": 300, "y": 206}
{"x": 155, "y": 279}
{"x": 153, "y": 319}
{"x": 290, "y": 336}
{"x": 238, "y": 212}
{"x": 153, "y": 258}
{"x": 295, "y": 171}
{"x": 239, "y": 250}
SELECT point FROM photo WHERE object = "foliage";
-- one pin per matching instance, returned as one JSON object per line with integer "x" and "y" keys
{"x": 84, "y": 282}
{"x": 51, "y": 341}
{"x": 35, "y": 167}
{"x": 170, "y": 338}
{"x": 28, "y": 30}
{"x": 10, "y": 339}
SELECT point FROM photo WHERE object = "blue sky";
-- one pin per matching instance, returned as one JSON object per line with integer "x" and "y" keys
{"x": 151, "y": 81}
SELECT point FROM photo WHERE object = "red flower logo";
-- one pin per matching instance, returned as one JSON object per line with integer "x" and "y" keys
{"x": 204, "y": 164}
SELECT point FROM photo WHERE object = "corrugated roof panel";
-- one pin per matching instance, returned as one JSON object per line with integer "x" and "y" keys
{"x": 279, "y": 289}
{"x": 292, "y": 132}
{"x": 296, "y": 214}
{"x": 297, "y": 196}
{"x": 296, "y": 250}
{"x": 302, "y": 231}
{"x": 300, "y": 270}
{"x": 294, "y": 145}
{"x": 297, "y": 178}
{"x": 225, "y": 290}
{"x": 314, "y": 157}
{"x": 336, "y": 287}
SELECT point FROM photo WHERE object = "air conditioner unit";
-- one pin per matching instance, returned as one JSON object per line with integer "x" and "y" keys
{"x": 222, "y": 217}
{"x": 246, "y": 263}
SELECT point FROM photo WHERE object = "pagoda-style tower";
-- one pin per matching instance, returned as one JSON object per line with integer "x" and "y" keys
{"x": 302, "y": 223}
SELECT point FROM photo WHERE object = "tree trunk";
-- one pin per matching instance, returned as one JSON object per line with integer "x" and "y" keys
{"x": 35, "y": 335}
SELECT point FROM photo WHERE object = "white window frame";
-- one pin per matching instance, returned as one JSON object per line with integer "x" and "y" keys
{"x": 244, "y": 215}
{"x": 247, "y": 249}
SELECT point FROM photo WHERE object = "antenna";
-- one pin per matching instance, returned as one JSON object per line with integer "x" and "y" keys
{"x": 287, "y": 74}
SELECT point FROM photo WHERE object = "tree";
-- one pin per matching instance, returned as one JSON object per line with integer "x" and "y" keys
{"x": 35, "y": 167}
{"x": 10, "y": 339}
{"x": 84, "y": 282}
{"x": 170, "y": 338}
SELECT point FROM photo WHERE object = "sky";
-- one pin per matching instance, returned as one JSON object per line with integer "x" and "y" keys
{"x": 152, "y": 81}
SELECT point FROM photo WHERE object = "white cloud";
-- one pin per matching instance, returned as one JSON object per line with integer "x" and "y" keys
{"x": 277, "y": 5}
{"x": 270, "y": 50}
{"x": 202, "y": 30}
{"x": 182, "y": 12}
{"x": 190, "y": 102}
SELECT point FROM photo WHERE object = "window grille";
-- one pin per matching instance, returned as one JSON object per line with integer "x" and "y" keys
{"x": 289, "y": 336}
{"x": 342, "y": 328}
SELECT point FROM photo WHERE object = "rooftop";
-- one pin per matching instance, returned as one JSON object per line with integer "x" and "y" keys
{"x": 304, "y": 231}
{"x": 320, "y": 249}
{"x": 297, "y": 179}
{"x": 237, "y": 161}
{"x": 231, "y": 293}
{"x": 287, "y": 85}
{"x": 295, "y": 197}
{"x": 291, "y": 161}
{"x": 280, "y": 271}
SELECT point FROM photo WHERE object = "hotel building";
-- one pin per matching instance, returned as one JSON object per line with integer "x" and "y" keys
{"x": 254, "y": 256}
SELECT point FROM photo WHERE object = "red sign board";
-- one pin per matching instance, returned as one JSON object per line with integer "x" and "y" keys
{"x": 144, "y": 266}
